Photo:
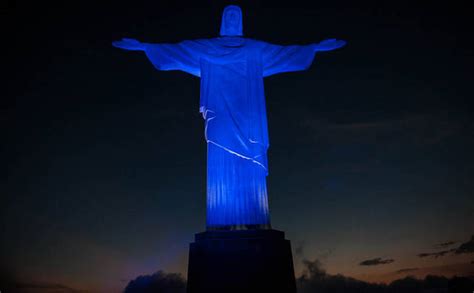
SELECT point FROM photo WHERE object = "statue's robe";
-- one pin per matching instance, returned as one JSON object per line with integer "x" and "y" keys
{"x": 233, "y": 105}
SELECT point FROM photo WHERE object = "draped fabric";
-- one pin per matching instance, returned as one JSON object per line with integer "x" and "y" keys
{"x": 247, "y": 207}
{"x": 233, "y": 105}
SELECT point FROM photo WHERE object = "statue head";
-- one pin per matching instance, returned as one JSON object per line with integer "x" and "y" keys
{"x": 231, "y": 25}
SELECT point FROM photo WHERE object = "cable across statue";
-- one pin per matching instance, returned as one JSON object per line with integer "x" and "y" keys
{"x": 232, "y": 103}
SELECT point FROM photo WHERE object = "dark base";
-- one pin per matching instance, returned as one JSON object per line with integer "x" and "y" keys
{"x": 241, "y": 261}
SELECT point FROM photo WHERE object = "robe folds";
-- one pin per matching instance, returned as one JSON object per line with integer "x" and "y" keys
{"x": 232, "y": 102}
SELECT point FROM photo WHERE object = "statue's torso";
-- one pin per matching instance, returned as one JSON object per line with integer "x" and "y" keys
{"x": 232, "y": 92}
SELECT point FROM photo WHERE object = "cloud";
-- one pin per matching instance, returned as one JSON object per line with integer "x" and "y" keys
{"x": 157, "y": 282}
{"x": 299, "y": 249}
{"x": 314, "y": 269}
{"x": 407, "y": 270}
{"x": 436, "y": 254}
{"x": 445, "y": 244}
{"x": 376, "y": 261}
{"x": 466, "y": 247}
{"x": 10, "y": 282}
{"x": 316, "y": 280}
{"x": 322, "y": 255}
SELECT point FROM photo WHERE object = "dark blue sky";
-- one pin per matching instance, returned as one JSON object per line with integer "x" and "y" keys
{"x": 371, "y": 148}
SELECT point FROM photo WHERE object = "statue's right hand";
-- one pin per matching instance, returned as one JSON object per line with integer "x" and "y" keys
{"x": 129, "y": 44}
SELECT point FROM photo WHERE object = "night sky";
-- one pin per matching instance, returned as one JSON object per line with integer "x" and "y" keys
{"x": 371, "y": 159}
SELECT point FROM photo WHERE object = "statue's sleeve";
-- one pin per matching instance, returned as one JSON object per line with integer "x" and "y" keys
{"x": 279, "y": 59}
{"x": 184, "y": 56}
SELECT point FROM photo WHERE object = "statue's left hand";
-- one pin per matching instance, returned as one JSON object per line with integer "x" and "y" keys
{"x": 329, "y": 44}
{"x": 129, "y": 44}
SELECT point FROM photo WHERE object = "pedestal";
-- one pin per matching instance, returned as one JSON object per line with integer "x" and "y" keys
{"x": 241, "y": 261}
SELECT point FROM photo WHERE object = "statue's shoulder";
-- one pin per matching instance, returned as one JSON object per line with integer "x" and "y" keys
{"x": 204, "y": 40}
{"x": 199, "y": 41}
{"x": 256, "y": 43}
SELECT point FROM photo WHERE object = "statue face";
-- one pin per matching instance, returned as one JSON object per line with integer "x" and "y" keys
{"x": 232, "y": 18}
{"x": 231, "y": 21}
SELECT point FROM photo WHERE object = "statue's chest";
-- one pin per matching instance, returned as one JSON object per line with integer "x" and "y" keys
{"x": 232, "y": 60}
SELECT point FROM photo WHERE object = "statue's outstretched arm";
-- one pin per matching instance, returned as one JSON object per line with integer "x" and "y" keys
{"x": 329, "y": 45}
{"x": 129, "y": 44}
{"x": 184, "y": 56}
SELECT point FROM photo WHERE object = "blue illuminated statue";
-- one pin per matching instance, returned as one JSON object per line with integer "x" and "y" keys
{"x": 232, "y": 103}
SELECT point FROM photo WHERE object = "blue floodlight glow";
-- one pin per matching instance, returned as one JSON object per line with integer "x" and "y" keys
{"x": 232, "y": 104}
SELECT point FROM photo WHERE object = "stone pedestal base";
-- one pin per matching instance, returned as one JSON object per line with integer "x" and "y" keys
{"x": 240, "y": 261}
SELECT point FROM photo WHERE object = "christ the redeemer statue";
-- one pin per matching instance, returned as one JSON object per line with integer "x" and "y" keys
{"x": 232, "y": 103}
